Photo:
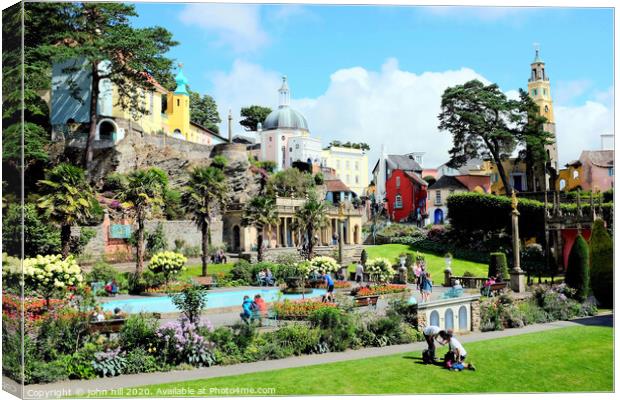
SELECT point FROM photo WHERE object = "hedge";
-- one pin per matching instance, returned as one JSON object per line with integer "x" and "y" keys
{"x": 578, "y": 269}
{"x": 498, "y": 266}
{"x": 602, "y": 264}
{"x": 476, "y": 211}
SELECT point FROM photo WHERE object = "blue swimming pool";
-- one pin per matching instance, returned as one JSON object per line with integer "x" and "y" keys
{"x": 215, "y": 300}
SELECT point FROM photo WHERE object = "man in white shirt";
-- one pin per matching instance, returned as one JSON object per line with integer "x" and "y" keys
{"x": 359, "y": 273}
{"x": 431, "y": 333}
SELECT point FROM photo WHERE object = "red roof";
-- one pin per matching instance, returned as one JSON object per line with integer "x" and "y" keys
{"x": 336, "y": 185}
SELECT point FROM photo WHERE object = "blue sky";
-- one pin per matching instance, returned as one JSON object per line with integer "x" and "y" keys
{"x": 310, "y": 44}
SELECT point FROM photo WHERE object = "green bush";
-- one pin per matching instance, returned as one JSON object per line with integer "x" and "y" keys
{"x": 80, "y": 363}
{"x": 102, "y": 272}
{"x": 363, "y": 257}
{"x": 61, "y": 333}
{"x": 602, "y": 264}
{"x": 299, "y": 339}
{"x": 140, "y": 360}
{"x": 40, "y": 237}
{"x": 338, "y": 329}
{"x": 498, "y": 266}
{"x": 46, "y": 372}
{"x": 242, "y": 271}
{"x": 191, "y": 301}
{"x": 578, "y": 270}
{"x": 138, "y": 331}
{"x": 156, "y": 240}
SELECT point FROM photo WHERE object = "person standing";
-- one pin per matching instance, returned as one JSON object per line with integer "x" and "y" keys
{"x": 431, "y": 333}
{"x": 246, "y": 315}
{"x": 359, "y": 273}
{"x": 427, "y": 286}
{"x": 329, "y": 296}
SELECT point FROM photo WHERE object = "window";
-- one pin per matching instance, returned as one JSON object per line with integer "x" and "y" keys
{"x": 270, "y": 138}
{"x": 535, "y": 92}
{"x": 449, "y": 319}
{"x": 463, "y": 325}
{"x": 357, "y": 166}
{"x": 545, "y": 92}
{"x": 297, "y": 146}
{"x": 337, "y": 164}
{"x": 451, "y": 191}
{"x": 546, "y": 108}
{"x": 434, "y": 319}
{"x": 178, "y": 102}
{"x": 438, "y": 197}
{"x": 357, "y": 179}
{"x": 562, "y": 184}
{"x": 575, "y": 174}
{"x": 398, "y": 202}
{"x": 398, "y": 181}
{"x": 610, "y": 171}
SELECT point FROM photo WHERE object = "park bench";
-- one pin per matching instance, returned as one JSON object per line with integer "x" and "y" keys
{"x": 106, "y": 327}
{"x": 495, "y": 289}
{"x": 205, "y": 281}
{"x": 362, "y": 301}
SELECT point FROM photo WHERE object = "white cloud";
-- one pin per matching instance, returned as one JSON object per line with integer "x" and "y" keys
{"x": 236, "y": 25}
{"x": 566, "y": 91}
{"x": 392, "y": 107}
{"x": 579, "y": 128}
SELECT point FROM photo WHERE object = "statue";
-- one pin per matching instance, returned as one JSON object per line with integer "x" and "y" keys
{"x": 515, "y": 203}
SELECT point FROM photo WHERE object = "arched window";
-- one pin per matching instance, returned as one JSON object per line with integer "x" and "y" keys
{"x": 449, "y": 319}
{"x": 562, "y": 184}
{"x": 575, "y": 174}
{"x": 398, "y": 181}
{"x": 434, "y": 319}
{"x": 398, "y": 201}
{"x": 463, "y": 323}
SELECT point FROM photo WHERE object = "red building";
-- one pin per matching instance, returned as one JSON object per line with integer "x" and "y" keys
{"x": 405, "y": 196}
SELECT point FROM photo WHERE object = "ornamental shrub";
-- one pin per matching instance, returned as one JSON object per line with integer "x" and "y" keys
{"x": 138, "y": 331}
{"x": 140, "y": 360}
{"x": 578, "y": 269}
{"x": 191, "y": 301}
{"x": 324, "y": 263}
{"x": 498, "y": 266}
{"x": 364, "y": 257}
{"x": 48, "y": 275}
{"x": 167, "y": 263}
{"x": 242, "y": 271}
{"x": 338, "y": 328}
{"x": 602, "y": 264}
{"x": 180, "y": 342}
{"x": 110, "y": 362}
{"x": 380, "y": 269}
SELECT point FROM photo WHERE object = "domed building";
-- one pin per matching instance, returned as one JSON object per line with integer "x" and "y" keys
{"x": 285, "y": 137}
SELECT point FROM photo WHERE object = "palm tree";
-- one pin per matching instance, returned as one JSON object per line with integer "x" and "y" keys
{"x": 68, "y": 200}
{"x": 142, "y": 190}
{"x": 311, "y": 216}
{"x": 260, "y": 213}
{"x": 206, "y": 192}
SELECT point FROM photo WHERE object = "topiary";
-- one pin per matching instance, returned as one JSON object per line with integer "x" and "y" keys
{"x": 602, "y": 264}
{"x": 364, "y": 257}
{"x": 578, "y": 269}
{"x": 498, "y": 266}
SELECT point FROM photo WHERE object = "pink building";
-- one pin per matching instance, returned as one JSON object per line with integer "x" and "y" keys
{"x": 597, "y": 170}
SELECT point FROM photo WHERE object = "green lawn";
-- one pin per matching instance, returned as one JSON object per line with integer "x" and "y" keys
{"x": 435, "y": 264}
{"x": 578, "y": 359}
{"x": 212, "y": 269}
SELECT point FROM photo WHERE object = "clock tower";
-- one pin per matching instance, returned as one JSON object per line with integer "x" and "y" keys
{"x": 539, "y": 90}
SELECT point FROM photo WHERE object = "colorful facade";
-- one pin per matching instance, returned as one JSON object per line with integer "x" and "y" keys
{"x": 406, "y": 194}
{"x": 350, "y": 166}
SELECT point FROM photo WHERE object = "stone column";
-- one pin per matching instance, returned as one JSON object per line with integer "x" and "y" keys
{"x": 286, "y": 244}
{"x": 278, "y": 244}
{"x": 517, "y": 276}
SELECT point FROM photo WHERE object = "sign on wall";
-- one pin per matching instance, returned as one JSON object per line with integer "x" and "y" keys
{"x": 120, "y": 231}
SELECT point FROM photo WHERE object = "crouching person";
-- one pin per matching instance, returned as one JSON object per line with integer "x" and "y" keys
{"x": 431, "y": 333}
{"x": 456, "y": 354}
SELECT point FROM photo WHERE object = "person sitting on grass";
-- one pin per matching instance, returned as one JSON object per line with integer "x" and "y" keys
{"x": 458, "y": 352}
{"x": 246, "y": 315}
{"x": 262, "y": 278}
{"x": 329, "y": 296}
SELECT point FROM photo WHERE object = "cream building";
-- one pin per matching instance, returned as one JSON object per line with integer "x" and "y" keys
{"x": 350, "y": 165}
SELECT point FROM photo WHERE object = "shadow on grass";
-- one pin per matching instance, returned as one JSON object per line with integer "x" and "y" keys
{"x": 597, "y": 320}
{"x": 420, "y": 360}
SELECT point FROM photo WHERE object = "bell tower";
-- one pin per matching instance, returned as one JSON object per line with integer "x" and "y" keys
{"x": 178, "y": 107}
{"x": 539, "y": 90}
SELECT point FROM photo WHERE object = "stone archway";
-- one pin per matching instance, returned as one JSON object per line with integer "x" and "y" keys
{"x": 106, "y": 130}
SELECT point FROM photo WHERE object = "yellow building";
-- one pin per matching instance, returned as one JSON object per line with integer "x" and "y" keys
{"x": 569, "y": 178}
{"x": 515, "y": 172}
{"x": 158, "y": 111}
{"x": 350, "y": 165}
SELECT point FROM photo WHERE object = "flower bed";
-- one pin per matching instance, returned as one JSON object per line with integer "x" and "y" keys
{"x": 337, "y": 285}
{"x": 173, "y": 287}
{"x": 34, "y": 307}
{"x": 299, "y": 309}
{"x": 378, "y": 290}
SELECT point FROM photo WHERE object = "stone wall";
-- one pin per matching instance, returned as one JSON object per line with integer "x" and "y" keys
{"x": 470, "y": 304}
{"x": 475, "y": 315}
{"x": 119, "y": 250}
{"x": 351, "y": 253}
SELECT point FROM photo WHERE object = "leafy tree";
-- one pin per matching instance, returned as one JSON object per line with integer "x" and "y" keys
{"x": 252, "y": 115}
{"x": 67, "y": 200}
{"x": 602, "y": 264}
{"x": 260, "y": 212}
{"x": 100, "y": 32}
{"x": 480, "y": 119}
{"x": 311, "y": 217}
{"x": 290, "y": 182}
{"x": 205, "y": 194}
{"x": 203, "y": 111}
{"x": 578, "y": 269}
{"x": 531, "y": 133}
{"x": 142, "y": 191}
{"x": 39, "y": 236}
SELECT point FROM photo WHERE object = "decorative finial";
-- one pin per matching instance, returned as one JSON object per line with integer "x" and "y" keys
{"x": 230, "y": 125}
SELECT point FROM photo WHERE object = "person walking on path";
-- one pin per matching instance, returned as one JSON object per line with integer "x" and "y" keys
{"x": 458, "y": 352}
{"x": 329, "y": 296}
{"x": 426, "y": 286}
{"x": 431, "y": 333}
{"x": 359, "y": 273}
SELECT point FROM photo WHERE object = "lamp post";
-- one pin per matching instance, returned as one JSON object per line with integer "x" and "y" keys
{"x": 340, "y": 231}
{"x": 517, "y": 276}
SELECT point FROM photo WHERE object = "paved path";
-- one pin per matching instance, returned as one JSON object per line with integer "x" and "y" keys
{"x": 123, "y": 381}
